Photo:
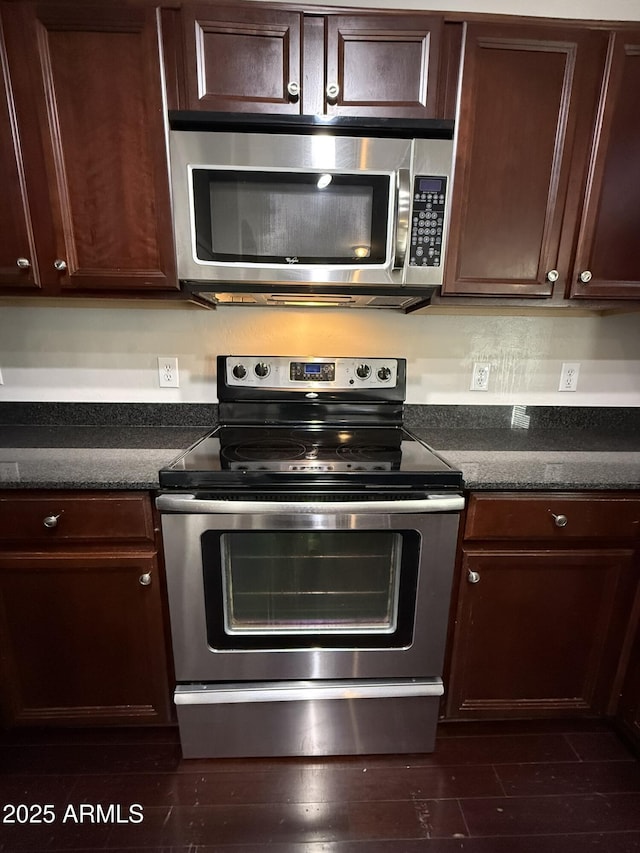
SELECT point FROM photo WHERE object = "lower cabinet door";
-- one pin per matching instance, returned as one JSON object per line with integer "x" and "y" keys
{"x": 82, "y": 640}
{"x": 628, "y": 710}
{"x": 538, "y": 632}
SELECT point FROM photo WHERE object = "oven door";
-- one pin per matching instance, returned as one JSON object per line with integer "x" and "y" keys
{"x": 274, "y": 591}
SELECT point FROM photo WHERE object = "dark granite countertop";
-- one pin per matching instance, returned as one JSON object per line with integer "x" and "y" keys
{"x": 539, "y": 459}
{"x": 89, "y": 457}
{"x": 109, "y": 446}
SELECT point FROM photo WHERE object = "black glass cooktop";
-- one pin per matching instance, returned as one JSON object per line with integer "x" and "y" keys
{"x": 252, "y": 455}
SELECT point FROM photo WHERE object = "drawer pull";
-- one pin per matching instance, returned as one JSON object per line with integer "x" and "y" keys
{"x": 559, "y": 520}
{"x": 51, "y": 520}
{"x": 473, "y": 577}
{"x": 145, "y": 579}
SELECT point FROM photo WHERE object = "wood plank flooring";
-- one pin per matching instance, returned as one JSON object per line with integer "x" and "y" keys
{"x": 526, "y": 787}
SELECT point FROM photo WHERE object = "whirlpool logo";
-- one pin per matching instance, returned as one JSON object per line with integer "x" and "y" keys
{"x": 292, "y": 260}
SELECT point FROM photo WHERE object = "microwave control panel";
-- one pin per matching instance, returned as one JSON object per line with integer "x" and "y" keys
{"x": 427, "y": 220}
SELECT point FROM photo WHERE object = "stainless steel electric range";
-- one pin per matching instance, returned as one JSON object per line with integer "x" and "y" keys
{"x": 309, "y": 546}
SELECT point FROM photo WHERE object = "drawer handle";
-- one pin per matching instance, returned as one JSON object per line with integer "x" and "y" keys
{"x": 559, "y": 520}
{"x": 473, "y": 577}
{"x": 145, "y": 579}
{"x": 51, "y": 520}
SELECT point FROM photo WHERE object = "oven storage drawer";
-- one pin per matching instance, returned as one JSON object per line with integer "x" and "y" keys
{"x": 346, "y": 717}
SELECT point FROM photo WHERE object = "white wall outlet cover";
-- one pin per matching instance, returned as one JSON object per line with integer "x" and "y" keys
{"x": 569, "y": 376}
{"x": 168, "y": 376}
{"x": 480, "y": 376}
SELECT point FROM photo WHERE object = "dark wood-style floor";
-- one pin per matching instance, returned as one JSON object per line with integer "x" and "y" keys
{"x": 556, "y": 787}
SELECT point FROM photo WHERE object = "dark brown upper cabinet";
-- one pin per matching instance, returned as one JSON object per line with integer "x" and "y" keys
{"x": 18, "y": 254}
{"x": 528, "y": 104}
{"x": 83, "y": 151}
{"x": 607, "y": 258}
{"x": 263, "y": 60}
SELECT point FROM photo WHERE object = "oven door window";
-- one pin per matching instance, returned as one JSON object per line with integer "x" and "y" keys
{"x": 302, "y": 588}
{"x": 248, "y": 216}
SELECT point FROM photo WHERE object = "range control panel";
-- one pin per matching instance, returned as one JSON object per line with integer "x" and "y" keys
{"x": 427, "y": 220}
{"x": 313, "y": 373}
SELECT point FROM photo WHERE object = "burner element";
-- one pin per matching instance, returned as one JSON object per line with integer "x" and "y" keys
{"x": 268, "y": 450}
{"x": 368, "y": 453}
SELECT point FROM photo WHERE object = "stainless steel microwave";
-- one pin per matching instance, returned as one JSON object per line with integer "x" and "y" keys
{"x": 324, "y": 210}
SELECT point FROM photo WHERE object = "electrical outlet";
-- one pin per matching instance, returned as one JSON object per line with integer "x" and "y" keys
{"x": 569, "y": 376}
{"x": 168, "y": 376}
{"x": 480, "y": 376}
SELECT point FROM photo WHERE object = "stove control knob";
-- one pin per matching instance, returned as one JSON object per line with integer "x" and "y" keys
{"x": 239, "y": 371}
{"x": 261, "y": 369}
{"x": 384, "y": 374}
{"x": 363, "y": 371}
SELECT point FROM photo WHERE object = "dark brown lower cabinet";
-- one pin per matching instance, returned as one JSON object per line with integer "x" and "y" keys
{"x": 628, "y": 711}
{"x": 543, "y": 610}
{"x": 538, "y": 632}
{"x": 82, "y": 634}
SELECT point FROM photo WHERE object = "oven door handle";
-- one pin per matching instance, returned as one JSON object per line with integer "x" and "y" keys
{"x": 305, "y": 691}
{"x": 192, "y": 504}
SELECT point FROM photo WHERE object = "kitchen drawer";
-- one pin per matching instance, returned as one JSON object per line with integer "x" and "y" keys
{"x": 553, "y": 516}
{"x": 75, "y": 517}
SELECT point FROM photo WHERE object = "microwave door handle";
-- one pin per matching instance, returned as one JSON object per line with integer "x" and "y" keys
{"x": 403, "y": 214}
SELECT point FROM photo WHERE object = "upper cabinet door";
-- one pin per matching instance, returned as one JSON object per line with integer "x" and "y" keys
{"x": 267, "y": 60}
{"x": 18, "y": 255}
{"x": 242, "y": 59}
{"x": 96, "y": 81}
{"x": 528, "y": 101}
{"x": 381, "y": 65}
{"x": 607, "y": 262}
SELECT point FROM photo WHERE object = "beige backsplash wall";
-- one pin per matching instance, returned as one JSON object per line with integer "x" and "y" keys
{"x": 97, "y": 352}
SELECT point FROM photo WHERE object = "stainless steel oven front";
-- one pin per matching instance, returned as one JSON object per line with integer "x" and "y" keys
{"x": 281, "y": 606}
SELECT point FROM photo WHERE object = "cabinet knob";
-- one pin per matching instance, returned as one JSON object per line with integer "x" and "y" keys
{"x": 51, "y": 520}
{"x": 333, "y": 90}
{"x": 553, "y": 275}
{"x": 59, "y": 265}
{"x": 559, "y": 520}
{"x": 473, "y": 577}
{"x": 585, "y": 276}
{"x": 145, "y": 579}
{"x": 293, "y": 89}
{"x": 23, "y": 263}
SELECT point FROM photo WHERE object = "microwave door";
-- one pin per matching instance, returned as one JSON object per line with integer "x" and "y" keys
{"x": 318, "y": 223}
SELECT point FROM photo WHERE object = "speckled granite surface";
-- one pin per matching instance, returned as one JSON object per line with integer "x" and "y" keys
{"x": 123, "y": 447}
{"x": 64, "y": 457}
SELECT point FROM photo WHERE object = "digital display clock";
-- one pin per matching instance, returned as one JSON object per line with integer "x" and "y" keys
{"x": 431, "y": 185}
{"x": 312, "y": 371}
